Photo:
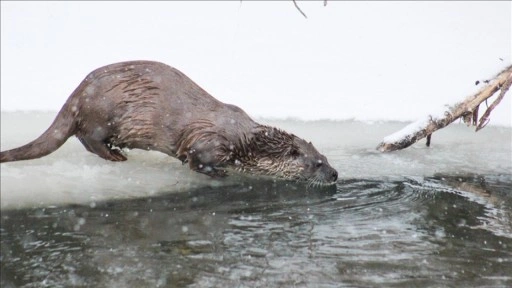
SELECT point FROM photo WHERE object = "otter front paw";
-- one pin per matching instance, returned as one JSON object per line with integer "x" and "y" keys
{"x": 211, "y": 171}
{"x": 218, "y": 173}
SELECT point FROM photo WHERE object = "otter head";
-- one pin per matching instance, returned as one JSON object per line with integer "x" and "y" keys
{"x": 274, "y": 152}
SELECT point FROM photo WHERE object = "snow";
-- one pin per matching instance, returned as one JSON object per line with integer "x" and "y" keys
{"x": 408, "y": 130}
{"x": 367, "y": 61}
{"x": 417, "y": 125}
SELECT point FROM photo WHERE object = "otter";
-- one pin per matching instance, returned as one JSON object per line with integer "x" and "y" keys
{"x": 153, "y": 106}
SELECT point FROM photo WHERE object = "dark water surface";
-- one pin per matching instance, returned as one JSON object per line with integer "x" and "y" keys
{"x": 440, "y": 231}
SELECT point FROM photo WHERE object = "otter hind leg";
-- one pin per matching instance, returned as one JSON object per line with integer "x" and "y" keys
{"x": 102, "y": 149}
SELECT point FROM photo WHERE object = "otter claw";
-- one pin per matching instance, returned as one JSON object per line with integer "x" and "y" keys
{"x": 218, "y": 173}
{"x": 117, "y": 155}
{"x": 211, "y": 171}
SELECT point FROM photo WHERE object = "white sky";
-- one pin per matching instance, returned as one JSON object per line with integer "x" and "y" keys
{"x": 362, "y": 60}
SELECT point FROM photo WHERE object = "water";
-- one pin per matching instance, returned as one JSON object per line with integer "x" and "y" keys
{"x": 436, "y": 217}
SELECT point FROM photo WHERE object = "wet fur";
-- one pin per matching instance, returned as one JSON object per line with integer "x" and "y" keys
{"x": 152, "y": 106}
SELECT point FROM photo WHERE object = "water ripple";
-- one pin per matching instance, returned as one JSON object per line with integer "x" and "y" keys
{"x": 413, "y": 231}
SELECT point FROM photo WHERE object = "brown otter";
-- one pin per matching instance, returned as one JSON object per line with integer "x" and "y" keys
{"x": 150, "y": 105}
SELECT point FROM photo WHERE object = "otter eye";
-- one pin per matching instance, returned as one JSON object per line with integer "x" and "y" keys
{"x": 294, "y": 152}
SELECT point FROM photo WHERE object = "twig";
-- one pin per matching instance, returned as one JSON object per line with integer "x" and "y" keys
{"x": 298, "y": 8}
{"x": 475, "y": 116}
{"x": 485, "y": 118}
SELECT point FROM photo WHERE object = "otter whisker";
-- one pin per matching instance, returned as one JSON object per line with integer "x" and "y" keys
{"x": 311, "y": 182}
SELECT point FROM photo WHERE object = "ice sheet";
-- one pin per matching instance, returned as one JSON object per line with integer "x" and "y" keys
{"x": 73, "y": 175}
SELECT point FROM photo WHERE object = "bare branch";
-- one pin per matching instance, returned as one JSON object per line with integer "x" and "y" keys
{"x": 485, "y": 118}
{"x": 298, "y": 8}
{"x": 475, "y": 116}
{"x": 467, "y": 110}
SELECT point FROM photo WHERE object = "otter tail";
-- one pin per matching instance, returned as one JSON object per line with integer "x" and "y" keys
{"x": 61, "y": 129}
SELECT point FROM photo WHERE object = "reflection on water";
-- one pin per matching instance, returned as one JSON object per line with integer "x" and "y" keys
{"x": 436, "y": 231}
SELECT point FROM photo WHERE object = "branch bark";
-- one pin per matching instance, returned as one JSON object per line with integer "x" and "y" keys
{"x": 467, "y": 110}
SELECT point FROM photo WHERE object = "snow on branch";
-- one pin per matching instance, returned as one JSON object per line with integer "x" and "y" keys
{"x": 467, "y": 110}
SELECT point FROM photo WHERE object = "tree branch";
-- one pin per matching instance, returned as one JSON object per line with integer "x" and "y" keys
{"x": 298, "y": 8}
{"x": 485, "y": 118}
{"x": 467, "y": 110}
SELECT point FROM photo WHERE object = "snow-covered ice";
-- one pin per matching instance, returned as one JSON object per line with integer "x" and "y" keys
{"x": 73, "y": 175}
